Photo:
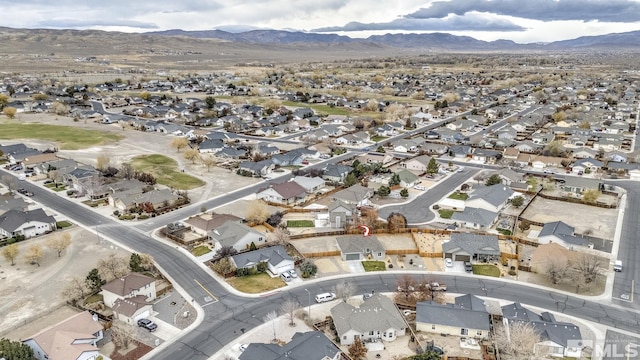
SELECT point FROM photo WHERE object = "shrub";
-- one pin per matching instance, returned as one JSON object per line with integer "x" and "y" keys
{"x": 390, "y": 266}
{"x": 116, "y": 213}
{"x": 436, "y": 207}
{"x": 143, "y": 217}
{"x": 512, "y": 272}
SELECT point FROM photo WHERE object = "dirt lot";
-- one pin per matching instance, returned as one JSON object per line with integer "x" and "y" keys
{"x": 28, "y": 291}
{"x": 583, "y": 217}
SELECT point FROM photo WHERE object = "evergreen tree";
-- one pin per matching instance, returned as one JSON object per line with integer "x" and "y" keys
{"x": 15, "y": 350}
{"x": 134, "y": 262}
{"x": 94, "y": 280}
{"x": 433, "y": 167}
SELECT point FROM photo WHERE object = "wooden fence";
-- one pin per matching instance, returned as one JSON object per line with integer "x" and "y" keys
{"x": 321, "y": 254}
{"x": 578, "y": 201}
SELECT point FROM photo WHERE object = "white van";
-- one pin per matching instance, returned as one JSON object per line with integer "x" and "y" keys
{"x": 320, "y": 298}
{"x": 617, "y": 266}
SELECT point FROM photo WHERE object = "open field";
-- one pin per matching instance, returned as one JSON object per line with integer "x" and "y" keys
{"x": 166, "y": 171}
{"x": 320, "y": 109}
{"x": 66, "y": 137}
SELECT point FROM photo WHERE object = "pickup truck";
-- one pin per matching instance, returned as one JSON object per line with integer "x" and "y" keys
{"x": 434, "y": 286}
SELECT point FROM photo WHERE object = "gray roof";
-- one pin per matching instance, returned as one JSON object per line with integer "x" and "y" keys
{"x": 13, "y": 219}
{"x": 475, "y": 216}
{"x": 10, "y": 202}
{"x": 337, "y": 170}
{"x": 581, "y": 182}
{"x": 274, "y": 255}
{"x": 376, "y": 313}
{"x": 338, "y": 203}
{"x": 494, "y": 195}
{"x": 353, "y": 194}
{"x": 545, "y": 323}
{"x": 472, "y": 244}
{"x": 562, "y": 231}
{"x": 468, "y": 312}
{"x": 311, "y": 345}
{"x": 230, "y": 232}
{"x": 359, "y": 244}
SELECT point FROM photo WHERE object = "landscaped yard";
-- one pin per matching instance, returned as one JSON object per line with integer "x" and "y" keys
{"x": 200, "y": 250}
{"x": 486, "y": 270}
{"x": 378, "y": 138}
{"x": 53, "y": 187}
{"x": 445, "y": 213}
{"x": 300, "y": 223}
{"x": 65, "y": 137}
{"x": 93, "y": 299}
{"x": 166, "y": 171}
{"x": 459, "y": 196}
{"x": 374, "y": 265}
{"x": 253, "y": 284}
{"x": 63, "y": 224}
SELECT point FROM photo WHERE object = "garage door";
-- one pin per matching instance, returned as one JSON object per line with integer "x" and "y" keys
{"x": 353, "y": 257}
{"x": 463, "y": 258}
{"x": 143, "y": 315}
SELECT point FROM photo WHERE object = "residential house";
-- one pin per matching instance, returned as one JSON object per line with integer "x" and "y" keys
{"x": 31, "y": 161}
{"x": 561, "y": 233}
{"x": 158, "y": 199}
{"x": 584, "y": 153}
{"x": 577, "y": 185}
{"x": 467, "y": 317}
{"x": 472, "y": 247}
{"x": 11, "y": 202}
{"x": 585, "y": 166}
{"x": 474, "y": 218}
{"x": 237, "y": 235}
{"x": 492, "y": 198}
{"x": 336, "y": 173}
{"x": 309, "y": 184}
{"x": 358, "y": 247}
{"x": 376, "y": 318}
{"x": 275, "y": 257}
{"x": 211, "y": 146}
{"x": 203, "y": 223}
{"x": 407, "y": 178}
{"x": 559, "y": 339}
{"x": 510, "y": 154}
{"x": 433, "y": 148}
{"x": 485, "y": 156}
{"x": 130, "y": 297}
{"x": 510, "y": 177}
{"x": 287, "y": 193}
{"x": 374, "y": 157}
{"x": 461, "y": 151}
{"x": 26, "y": 223}
{"x": 312, "y": 345}
{"x": 74, "y": 338}
{"x": 341, "y": 214}
{"x": 617, "y": 157}
{"x": 405, "y": 145}
{"x": 418, "y": 163}
{"x": 357, "y": 195}
{"x": 231, "y": 153}
{"x": 80, "y": 178}
{"x": 528, "y": 147}
{"x": 260, "y": 168}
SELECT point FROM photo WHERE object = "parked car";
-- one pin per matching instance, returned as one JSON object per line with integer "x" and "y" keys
{"x": 419, "y": 187}
{"x": 147, "y": 324}
{"x": 243, "y": 347}
{"x": 448, "y": 262}
{"x": 324, "y": 297}
{"x": 460, "y": 169}
{"x": 468, "y": 267}
{"x": 293, "y": 273}
{"x": 285, "y": 276}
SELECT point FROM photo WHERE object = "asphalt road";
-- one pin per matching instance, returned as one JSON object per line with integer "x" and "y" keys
{"x": 419, "y": 211}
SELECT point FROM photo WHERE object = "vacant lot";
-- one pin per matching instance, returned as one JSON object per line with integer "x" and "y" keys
{"x": 166, "y": 171}
{"x": 583, "y": 217}
{"x": 65, "y": 137}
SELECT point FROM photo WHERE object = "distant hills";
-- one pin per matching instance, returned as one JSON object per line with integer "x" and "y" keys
{"x": 432, "y": 41}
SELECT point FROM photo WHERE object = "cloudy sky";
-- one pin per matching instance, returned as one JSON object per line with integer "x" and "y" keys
{"x": 522, "y": 21}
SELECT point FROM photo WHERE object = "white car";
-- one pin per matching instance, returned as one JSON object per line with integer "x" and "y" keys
{"x": 460, "y": 169}
{"x": 285, "y": 276}
{"x": 243, "y": 347}
{"x": 293, "y": 273}
{"x": 448, "y": 262}
{"x": 418, "y": 187}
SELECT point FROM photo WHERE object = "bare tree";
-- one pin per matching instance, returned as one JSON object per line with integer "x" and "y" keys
{"x": 103, "y": 161}
{"x": 395, "y": 222}
{"x": 589, "y": 266}
{"x": 122, "y": 334}
{"x": 344, "y": 290}
{"x": 9, "y": 181}
{"x": 279, "y": 236}
{"x": 357, "y": 350}
{"x": 192, "y": 155}
{"x": 55, "y": 176}
{"x": 146, "y": 262}
{"x": 33, "y": 255}
{"x": 226, "y": 251}
{"x": 179, "y": 143}
{"x": 557, "y": 269}
{"x": 127, "y": 171}
{"x": 10, "y": 252}
{"x": 517, "y": 341}
{"x": 208, "y": 161}
{"x": 59, "y": 243}
{"x": 406, "y": 286}
{"x": 271, "y": 318}
{"x": 93, "y": 185}
{"x": 75, "y": 289}
{"x": 289, "y": 308}
{"x": 257, "y": 211}
{"x": 113, "y": 267}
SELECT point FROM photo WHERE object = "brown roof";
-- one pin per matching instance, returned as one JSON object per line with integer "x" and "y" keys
{"x": 124, "y": 286}
{"x": 511, "y": 152}
{"x": 289, "y": 189}
{"x": 40, "y": 158}
{"x": 57, "y": 341}
{"x": 129, "y": 306}
{"x": 209, "y": 222}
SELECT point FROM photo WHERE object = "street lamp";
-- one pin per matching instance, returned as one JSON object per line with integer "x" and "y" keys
{"x": 308, "y": 293}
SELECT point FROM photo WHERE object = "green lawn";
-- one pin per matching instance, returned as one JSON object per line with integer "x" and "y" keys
{"x": 374, "y": 265}
{"x": 93, "y": 299}
{"x": 53, "y": 187}
{"x": 200, "y": 250}
{"x": 166, "y": 171}
{"x": 65, "y": 137}
{"x": 300, "y": 223}
{"x": 63, "y": 224}
{"x": 253, "y": 284}
{"x": 486, "y": 270}
{"x": 378, "y": 138}
{"x": 445, "y": 213}
{"x": 459, "y": 196}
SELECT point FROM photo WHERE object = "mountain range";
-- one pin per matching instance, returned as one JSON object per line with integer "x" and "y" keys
{"x": 431, "y": 41}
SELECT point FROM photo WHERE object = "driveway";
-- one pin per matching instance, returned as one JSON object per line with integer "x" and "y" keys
{"x": 355, "y": 266}
{"x": 458, "y": 267}
{"x": 419, "y": 210}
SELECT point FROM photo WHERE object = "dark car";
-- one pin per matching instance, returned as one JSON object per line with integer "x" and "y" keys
{"x": 147, "y": 324}
{"x": 468, "y": 267}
